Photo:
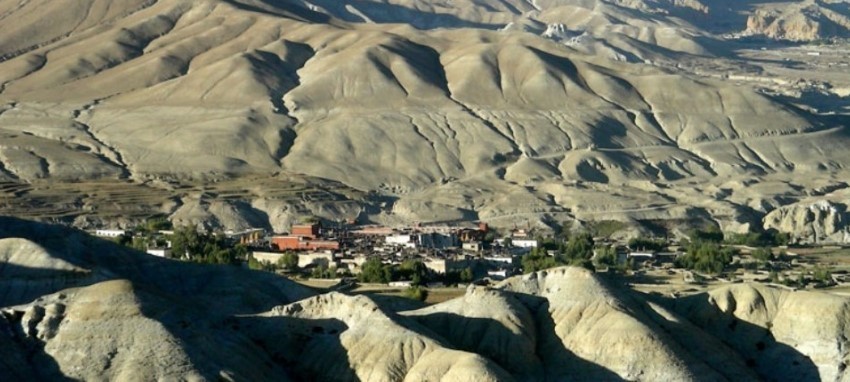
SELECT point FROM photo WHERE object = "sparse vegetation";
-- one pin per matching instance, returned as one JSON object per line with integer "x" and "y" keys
{"x": 709, "y": 235}
{"x": 758, "y": 239}
{"x": 288, "y": 262}
{"x": 605, "y": 256}
{"x": 374, "y": 271}
{"x": 538, "y": 259}
{"x": 605, "y": 228}
{"x": 706, "y": 257}
{"x": 466, "y": 275}
{"x": 191, "y": 245}
{"x": 416, "y": 293}
{"x": 644, "y": 244}
{"x": 321, "y": 271}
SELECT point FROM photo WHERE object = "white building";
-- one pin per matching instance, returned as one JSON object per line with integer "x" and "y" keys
{"x": 497, "y": 274}
{"x": 501, "y": 259}
{"x": 641, "y": 256}
{"x": 524, "y": 243}
{"x": 408, "y": 241}
{"x": 474, "y": 246}
{"x": 267, "y": 257}
{"x": 159, "y": 252}
{"x": 315, "y": 258}
{"x": 304, "y": 259}
{"x": 109, "y": 232}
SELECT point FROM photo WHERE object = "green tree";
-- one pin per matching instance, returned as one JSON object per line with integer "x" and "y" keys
{"x": 416, "y": 293}
{"x": 579, "y": 247}
{"x": 158, "y": 223}
{"x": 644, "y": 244}
{"x": 606, "y": 256}
{"x": 253, "y": 263}
{"x": 323, "y": 272}
{"x": 289, "y": 261}
{"x": 712, "y": 235}
{"x": 125, "y": 240}
{"x": 466, "y": 275}
{"x": 822, "y": 275}
{"x": 566, "y": 232}
{"x": 186, "y": 241}
{"x": 414, "y": 270}
{"x": 762, "y": 256}
{"x": 706, "y": 257}
{"x": 374, "y": 271}
{"x": 538, "y": 259}
{"x": 140, "y": 244}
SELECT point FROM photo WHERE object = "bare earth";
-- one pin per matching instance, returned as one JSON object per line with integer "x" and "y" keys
{"x": 509, "y": 111}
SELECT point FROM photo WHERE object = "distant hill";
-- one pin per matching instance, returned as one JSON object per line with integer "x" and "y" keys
{"x": 544, "y": 111}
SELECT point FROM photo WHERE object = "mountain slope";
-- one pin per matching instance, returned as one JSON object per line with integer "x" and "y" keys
{"x": 566, "y": 97}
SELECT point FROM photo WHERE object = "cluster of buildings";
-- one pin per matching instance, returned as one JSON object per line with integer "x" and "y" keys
{"x": 442, "y": 249}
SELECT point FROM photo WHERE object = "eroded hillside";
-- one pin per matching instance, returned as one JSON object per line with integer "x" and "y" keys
{"x": 540, "y": 111}
{"x": 76, "y": 307}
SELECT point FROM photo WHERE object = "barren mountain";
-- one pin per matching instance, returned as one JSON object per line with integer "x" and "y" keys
{"x": 542, "y": 111}
{"x": 74, "y": 307}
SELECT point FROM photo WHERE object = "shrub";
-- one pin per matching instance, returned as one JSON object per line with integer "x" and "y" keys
{"x": 416, "y": 293}
{"x": 706, "y": 257}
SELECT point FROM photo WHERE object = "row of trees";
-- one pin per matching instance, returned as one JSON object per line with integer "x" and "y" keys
{"x": 375, "y": 271}
{"x": 706, "y": 257}
{"x": 766, "y": 238}
{"x": 578, "y": 251}
{"x": 204, "y": 248}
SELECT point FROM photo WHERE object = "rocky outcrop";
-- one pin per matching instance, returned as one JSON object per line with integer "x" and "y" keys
{"x": 783, "y": 335}
{"x": 489, "y": 322}
{"x": 115, "y": 330}
{"x": 348, "y": 338}
{"x": 591, "y": 331}
{"x": 800, "y": 21}
{"x": 812, "y": 221}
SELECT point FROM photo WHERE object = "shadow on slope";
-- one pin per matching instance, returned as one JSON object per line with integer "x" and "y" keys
{"x": 486, "y": 337}
{"x": 559, "y": 363}
{"x": 23, "y": 360}
{"x": 233, "y": 290}
{"x": 310, "y": 348}
{"x": 282, "y": 8}
{"x": 192, "y": 302}
{"x": 385, "y": 13}
{"x": 770, "y": 359}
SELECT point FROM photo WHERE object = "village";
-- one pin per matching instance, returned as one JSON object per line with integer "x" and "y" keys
{"x": 348, "y": 256}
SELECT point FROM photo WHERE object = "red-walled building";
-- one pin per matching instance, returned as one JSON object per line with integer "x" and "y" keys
{"x": 300, "y": 243}
{"x": 306, "y": 230}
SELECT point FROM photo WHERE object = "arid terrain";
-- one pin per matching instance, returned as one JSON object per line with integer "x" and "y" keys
{"x": 74, "y": 307}
{"x": 237, "y": 113}
{"x": 555, "y": 122}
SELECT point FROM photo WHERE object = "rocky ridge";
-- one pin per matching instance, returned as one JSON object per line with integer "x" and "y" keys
{"x": 553, "y": 325}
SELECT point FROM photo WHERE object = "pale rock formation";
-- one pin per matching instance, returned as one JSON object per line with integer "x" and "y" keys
{"x": 784, "y": 335}
{"x": 591, "y": 331}
{"x": 343, "y": 338}
{"x": 820, "y": 221}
